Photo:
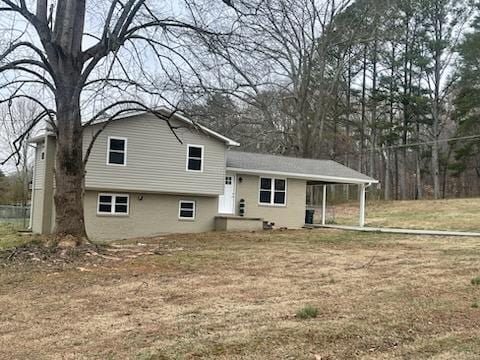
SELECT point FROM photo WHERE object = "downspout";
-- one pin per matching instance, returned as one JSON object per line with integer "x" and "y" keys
{"x": 32, "y": 198}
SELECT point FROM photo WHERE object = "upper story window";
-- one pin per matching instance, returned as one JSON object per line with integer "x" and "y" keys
{"x": 117, "y": 151}
{"x": 113, "y": 204}
{"x": 273, "y": 191}
{"x": 194, "y": 157}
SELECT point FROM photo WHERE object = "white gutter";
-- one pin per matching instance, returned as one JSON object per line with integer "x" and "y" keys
{"x": 325, "y": 178}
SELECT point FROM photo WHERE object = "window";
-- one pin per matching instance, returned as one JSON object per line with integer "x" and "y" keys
{"x": 194, "y": 158}
{"x": 228, "y": 180}
{"x": 273, "y": 191}
{"x": 112, "y": 204}
{"x": 117, "y": 151}
{"x": 186, "y": 210}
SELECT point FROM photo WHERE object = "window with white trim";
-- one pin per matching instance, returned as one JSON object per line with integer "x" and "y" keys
{"x": 113, "y": 204}
{"x": 273, "y": 191}
{"x": 186, "y": 210}
{"x": 194, "y": 157}
{"x": 117, "y": 151}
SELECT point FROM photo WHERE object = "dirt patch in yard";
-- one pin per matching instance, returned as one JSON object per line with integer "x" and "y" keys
{"x": 235, "y": 296}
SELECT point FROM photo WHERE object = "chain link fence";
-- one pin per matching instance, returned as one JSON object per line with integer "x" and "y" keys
{"x": 16, "y": 215}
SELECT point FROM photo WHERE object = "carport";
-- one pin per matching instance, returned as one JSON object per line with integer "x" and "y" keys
{"x": 363, "y": 185}
{"x": 314, "y": 172}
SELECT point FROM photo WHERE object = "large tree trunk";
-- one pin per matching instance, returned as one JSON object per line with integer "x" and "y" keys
{"x": 69, "y": 171}
{"x": 69, "y": 168}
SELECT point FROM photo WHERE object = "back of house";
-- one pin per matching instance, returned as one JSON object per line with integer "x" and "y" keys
{"x": 146, "y": 176}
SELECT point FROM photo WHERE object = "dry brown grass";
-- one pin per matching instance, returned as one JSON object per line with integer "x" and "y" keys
{"x": 454, "y": 214}
{"x": 234, "y": 296}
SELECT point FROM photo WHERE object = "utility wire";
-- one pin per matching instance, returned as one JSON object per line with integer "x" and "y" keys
{"x": 367, "y": 150}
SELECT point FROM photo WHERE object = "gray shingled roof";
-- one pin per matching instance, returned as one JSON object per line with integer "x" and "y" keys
{"x": 321, "y": 170}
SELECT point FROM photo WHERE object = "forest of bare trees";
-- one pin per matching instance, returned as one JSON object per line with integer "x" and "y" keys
{"x": 371, "y": 84}
{"x": 388, "y": 87}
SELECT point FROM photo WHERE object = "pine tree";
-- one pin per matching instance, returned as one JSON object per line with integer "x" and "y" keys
{"x": 467, "y": 102}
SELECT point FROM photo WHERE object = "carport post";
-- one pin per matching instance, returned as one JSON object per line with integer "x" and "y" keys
{"x": 362, "y": 205}
{"x": 324, "y": 203}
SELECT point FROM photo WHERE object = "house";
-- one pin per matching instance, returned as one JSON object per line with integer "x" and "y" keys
{"x": 142, "y": 180}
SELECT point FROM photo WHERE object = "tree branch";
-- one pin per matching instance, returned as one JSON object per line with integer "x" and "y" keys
{"x": 138, "y": 106}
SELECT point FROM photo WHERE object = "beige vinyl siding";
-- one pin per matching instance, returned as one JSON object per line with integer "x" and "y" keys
{"x": 39, "y": 167}
{"x": 291, "y": 215}
{"x": 149, "y": 214}
{"x": 156, "y": 160}
{"x": 43, "y": 208}
{"x": 37, "y": 211}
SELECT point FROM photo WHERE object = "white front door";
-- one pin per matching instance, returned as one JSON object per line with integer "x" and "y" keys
{"x": 226, "y": 202}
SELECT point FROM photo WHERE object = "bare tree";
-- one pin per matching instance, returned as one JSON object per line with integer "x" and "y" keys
{"x": 71, "y": 62}
{"x": 446, "y": 21}
{"x": 289, "y": 45}
{"x": 14, "y": 122}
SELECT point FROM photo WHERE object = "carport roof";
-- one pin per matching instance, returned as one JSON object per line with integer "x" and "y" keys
{"x": 326, "y": 171}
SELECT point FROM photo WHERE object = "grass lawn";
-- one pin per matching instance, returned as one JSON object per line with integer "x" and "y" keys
{"x": 9, "y": 237}
{"x": 454, "y": 214}
{"x": 236, "y": 296}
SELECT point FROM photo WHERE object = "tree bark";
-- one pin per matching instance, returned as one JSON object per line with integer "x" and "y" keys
{"x": 69, "y": 167}
{"x": 406, "y": 110}
{"x": 69, "y": 171}
{"x": 361, "y": 165}
{"x": 438, "y": 37}
{"x": 348, "y": 112}
{"x": 374, "y": 107}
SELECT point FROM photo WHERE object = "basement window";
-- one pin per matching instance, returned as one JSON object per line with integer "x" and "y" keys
{"x": 186, "y": 210}
{"x": 117, "y": 151}
{"x": 195, "y": 158}
{"x": 273, "y": 191}
{"x": 113, "y": 204}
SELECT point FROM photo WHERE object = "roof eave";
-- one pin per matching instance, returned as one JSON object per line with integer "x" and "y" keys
{"x": 324, "y": 178}
{"x": 39, "y": 138}
{"x": 226, "y": 140}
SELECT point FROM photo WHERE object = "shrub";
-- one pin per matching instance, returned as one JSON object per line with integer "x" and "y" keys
{"x": 475, "y": 281}
{"x": 307, "y": 312}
